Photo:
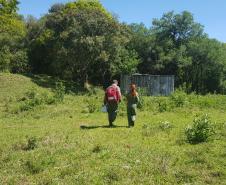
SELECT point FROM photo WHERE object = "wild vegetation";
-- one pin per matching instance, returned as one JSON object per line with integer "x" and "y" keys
{"x": 67, "y": 141}
{"x": 82, "y": 42}
{"x": 52, "y": 71}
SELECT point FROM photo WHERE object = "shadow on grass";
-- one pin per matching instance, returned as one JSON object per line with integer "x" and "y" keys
{"x": 85, "y": 127}
{"x": 43, "y": 80}
{"x": 50, "y": 82}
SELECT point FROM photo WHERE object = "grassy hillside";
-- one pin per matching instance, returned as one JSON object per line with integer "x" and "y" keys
{"x": 43, "y": 141}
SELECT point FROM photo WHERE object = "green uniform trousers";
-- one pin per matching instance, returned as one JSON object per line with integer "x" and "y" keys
{"x": 112, "y": 109}
{"x": 131, "y": 114}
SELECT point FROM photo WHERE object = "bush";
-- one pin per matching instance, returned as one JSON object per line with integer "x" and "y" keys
{"x": 19, "y": 62}
{"x": 59, "y": 92}
{"x": 33, "y": 167}
{"x": 36, "y": 164}
{"x": 142, "y": 92}
{"x": 5, "y": 56}
{"x": 165, "y": 125}
{"x": 97, "y": 149}
{"x": 32, "y": 99}
{"x": 111, "y": 176}
{"x": 200, "y": 131}
{"x": 92, "y": 105}
{"x": 179, "y": 98}
{"x": 162, "y": 104}
{"x": 31, "y": 143}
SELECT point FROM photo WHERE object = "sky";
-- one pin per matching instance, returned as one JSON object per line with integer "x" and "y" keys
{"x": 210, "y": 13}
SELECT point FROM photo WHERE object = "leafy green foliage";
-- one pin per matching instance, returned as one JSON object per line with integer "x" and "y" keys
{"x": 179, "y": 98}
{"x": 30, "y": 100}
{"x": 177, "y": 45}
{"x": 111, "y": 177}
{"x": 33, "y": 167}
{"x": 19, "y": 62}
{"x": 82, "y": 42}
{"x": 165, "y": 125}
{"x": 93, "y": 102}
{"x": 34, "y": 98}
{"x": 59, "y": 92}
{"x": 142, "y": 92}
{"x": 201, "y": 129}
{"x": 96, "y": 48}
{"x": 162, "y": 104}
{"x": 208, "y": 58}
{"x": 8, "y": 6}
{"x": 180, "y": 27}
{"x": 31, "y": 143}
{"x": 12, "y": 34}
{"x": 92, "y": 105}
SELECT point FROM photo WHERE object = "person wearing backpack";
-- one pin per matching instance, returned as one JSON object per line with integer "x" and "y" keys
{"x": 132, "y": 100}
{"x": 111, "y": 100}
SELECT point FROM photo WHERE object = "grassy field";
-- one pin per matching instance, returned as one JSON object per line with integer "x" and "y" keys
{"x": 44, "y": 140}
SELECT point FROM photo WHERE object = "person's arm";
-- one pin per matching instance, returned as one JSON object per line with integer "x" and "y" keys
{"x": 105, "y": 98}
{"x": 119, "y": 95}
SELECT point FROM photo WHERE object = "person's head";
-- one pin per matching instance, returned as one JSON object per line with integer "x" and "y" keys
{"x": 115, "y": 82}
{"x": 133, "y": 89}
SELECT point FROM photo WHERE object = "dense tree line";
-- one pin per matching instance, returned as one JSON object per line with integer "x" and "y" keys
{"x": 13, "y": 53}
{"x": 82, "y": 41}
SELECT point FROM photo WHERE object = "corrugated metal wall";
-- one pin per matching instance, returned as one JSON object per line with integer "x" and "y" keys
{"x": 155, "y": 85}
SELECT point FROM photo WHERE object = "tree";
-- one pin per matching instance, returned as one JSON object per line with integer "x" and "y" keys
{"x": 8, "y": 7}
{"x": 142, "y": 42}
{"x": 176, "y": 45}
{"x": 166, "y": 53}
{"x": 81, "y": 40}
{"x": 180, "y": 28}
{"x": 206, "y": 71}
{"x": 12, "y": 33}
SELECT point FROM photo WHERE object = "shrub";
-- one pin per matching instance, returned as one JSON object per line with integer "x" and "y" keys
{"x": 92, "y": 105}
{"x": 6, "y": 57}
{"x": 36, "y": 164}
{"x": 142, "y": 92}
{"x": 31, "y": 143}
{"x": 30, "y": 100}
{"x": 47, "y": 98}
{"x": 165, "y": 125}
{"x": 162, "y": 104}
{"x": 200, "y": 131}
{"x": 97, "y": 149}
{"x": 33, "y": 167}
{"x": 111, "y": 176}
{"x": 19, "y": 62}
{"x": 59, "y": 92}
{"x": 179, "y": 98}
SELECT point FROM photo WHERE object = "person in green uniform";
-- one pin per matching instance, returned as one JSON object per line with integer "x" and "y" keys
{"x": 132, "y": 100}
{"x": 111, "y": 100}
